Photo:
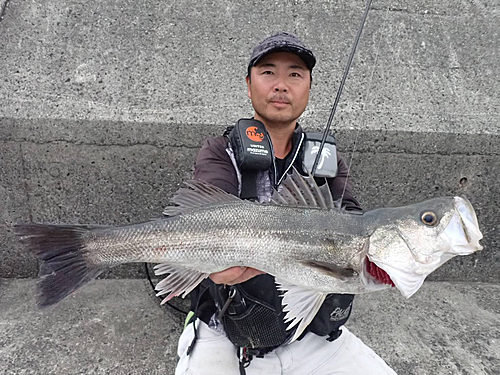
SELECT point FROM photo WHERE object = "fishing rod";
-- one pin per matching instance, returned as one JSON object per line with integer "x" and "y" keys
{"x": 341, "y": 87}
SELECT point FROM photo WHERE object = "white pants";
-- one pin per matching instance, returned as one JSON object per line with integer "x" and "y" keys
{"x": 214, "y": 354}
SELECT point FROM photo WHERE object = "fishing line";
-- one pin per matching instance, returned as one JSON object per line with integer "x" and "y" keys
{"x": 364, "y": 105}
{"x": 341, "y": 87}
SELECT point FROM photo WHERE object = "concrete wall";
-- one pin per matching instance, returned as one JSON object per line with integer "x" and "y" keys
{"x": 103, "y": 105}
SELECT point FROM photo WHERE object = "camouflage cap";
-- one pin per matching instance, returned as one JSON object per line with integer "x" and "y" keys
{"x": 282, "y": 42}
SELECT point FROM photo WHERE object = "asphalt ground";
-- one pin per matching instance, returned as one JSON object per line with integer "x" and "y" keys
{"x": 117, "y": 327}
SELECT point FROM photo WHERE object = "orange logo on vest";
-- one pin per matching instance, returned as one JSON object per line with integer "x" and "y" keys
{"x": 254, "y": 135}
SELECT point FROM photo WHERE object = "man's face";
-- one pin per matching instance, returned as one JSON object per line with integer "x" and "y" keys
{"x": 279, "y": 88}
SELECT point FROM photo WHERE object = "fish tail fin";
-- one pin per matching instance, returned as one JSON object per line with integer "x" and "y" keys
{"x": 62, "y": 254}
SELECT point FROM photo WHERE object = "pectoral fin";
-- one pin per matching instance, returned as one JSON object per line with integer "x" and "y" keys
{"x": 330, "y": 269}
{"x": 301, "y": 306}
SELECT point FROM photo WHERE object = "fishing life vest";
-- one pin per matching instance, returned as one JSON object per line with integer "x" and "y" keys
{"x": 257, "y": 303}
{"x": 251, "y": 313}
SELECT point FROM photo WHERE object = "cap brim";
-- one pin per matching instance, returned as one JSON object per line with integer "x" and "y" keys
{"x": 309, "y": 60}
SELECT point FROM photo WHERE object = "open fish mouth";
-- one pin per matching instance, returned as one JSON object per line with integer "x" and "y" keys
{"x": 462, "y": 232}
{"x": 470, "y": 225}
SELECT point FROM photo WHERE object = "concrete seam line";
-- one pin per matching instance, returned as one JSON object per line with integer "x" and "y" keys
{"x": 3, "y": 6}
{"x": 362, "y": 150}
{"x": 23, "y": 140}
{"x": 424, "y": 13}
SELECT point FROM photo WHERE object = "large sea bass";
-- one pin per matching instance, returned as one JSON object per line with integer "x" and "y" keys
{"x": 311, "y": 247}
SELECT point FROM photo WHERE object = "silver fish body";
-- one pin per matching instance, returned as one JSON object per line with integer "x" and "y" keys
{"x": 275, "y": 239}
{"x": 310, "y": 247}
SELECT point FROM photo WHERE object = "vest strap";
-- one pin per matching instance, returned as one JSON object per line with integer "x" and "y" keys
{"x": 249, "y": 185}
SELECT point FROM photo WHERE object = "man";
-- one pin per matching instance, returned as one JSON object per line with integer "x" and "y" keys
{"x": 238, "y": 327}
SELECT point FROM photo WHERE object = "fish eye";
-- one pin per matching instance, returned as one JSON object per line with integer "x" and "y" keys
{"x": 429, "y": 218}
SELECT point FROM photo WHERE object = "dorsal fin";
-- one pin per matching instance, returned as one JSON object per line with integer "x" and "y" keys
{"x": 297, "y": 190}
{"x": 197, "y": 194}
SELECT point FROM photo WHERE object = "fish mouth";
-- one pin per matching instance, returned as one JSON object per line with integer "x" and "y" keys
{"x": 469, "y": 224}
{"x": 462, "y": 232}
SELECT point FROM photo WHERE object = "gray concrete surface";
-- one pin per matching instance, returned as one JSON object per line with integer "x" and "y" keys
{"x": 114, "y": 326}
{"x": 185, "y": 61}
{"x": 103, "y": 106}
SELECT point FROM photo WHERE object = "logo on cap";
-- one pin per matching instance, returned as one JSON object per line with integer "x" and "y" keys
{"x": 254, "y": 135}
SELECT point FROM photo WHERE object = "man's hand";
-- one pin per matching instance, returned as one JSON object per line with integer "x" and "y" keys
{"x": 234, "y": 275}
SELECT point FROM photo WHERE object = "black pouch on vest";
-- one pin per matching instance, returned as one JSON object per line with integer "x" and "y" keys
{"x": 332, "y": 315}
{"x": 255, "y": 322}
{"x": 327, "y": 165}
{"x": 251, "y": 145}
{"x": 252, "y": 151}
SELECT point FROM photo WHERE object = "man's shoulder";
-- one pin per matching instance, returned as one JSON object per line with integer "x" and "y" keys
{"x": 219, "y": 142}
{"x": 214, "y": 148}
{"x": 214, "y": 165}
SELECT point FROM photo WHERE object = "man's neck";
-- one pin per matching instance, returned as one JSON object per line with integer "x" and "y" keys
{"x": 281, "y": 136}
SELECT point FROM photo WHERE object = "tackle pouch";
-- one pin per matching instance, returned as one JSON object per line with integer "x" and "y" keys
{"x": 327, "y": 165}
{"x": 252, "y": 151}
{"x": 251, "y": 145}
{"x": 249, "y": 321}
{"x": 333, "y": 314}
